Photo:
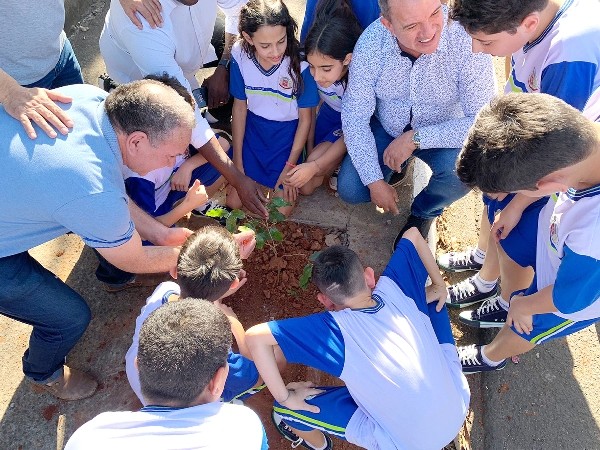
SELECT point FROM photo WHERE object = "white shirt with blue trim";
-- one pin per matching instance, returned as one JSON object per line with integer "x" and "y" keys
{"x": 568, "y": 246}
{"x": 212, "y": 426}
{"x": 564, "y": 60}
{"x": 398, "y": 360}
{"x": 333, "y": 95}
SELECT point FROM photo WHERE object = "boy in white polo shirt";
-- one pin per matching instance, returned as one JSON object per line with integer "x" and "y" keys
{"x": 183, "y": 388}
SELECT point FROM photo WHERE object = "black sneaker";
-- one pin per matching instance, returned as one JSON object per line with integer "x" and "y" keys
{"x": 489, "y": 315}
{"x": 296, "y": 440}
{"x": 423, "y": 225}
{"x": 213, "y": 210}
{"x": 333, "y": 179}
{"x": 472, "y": 361}
{"x": 459, "y": 261}
{"x": 467, "y": 293}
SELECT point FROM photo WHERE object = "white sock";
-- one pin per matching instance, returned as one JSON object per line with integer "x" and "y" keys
{"x": 505, "y": 305}
{"x": 479, "y": 255}
{"x": 487, "y": 360}
{"x": 484, "y": 285}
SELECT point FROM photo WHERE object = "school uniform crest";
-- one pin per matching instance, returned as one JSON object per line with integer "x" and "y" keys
{"x": 338, "y": 132}
{"x": 554, "y": 232}
{"x": 285, "y": 83}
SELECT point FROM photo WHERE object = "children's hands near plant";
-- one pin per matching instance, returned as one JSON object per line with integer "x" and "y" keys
{"x": 246, "y": 241}
{"x": 519, "y": 315}
{"x": 302, "y": 174}
{"x": 436, "y": 293}
{"x": 298, "y": 392}
{"x": 290, "y": 193}
{"x": 196, "y": 195}
{"x": 182, "y": 177}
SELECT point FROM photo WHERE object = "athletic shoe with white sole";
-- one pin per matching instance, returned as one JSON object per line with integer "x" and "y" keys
{"x": 459, "y": 261}
{"x": 466, "y": 293}
{"x": 213, "y": 210}
{"x": 472, "y": 361}
{"x": 296, "y": 440}
{"x": 489, "y": 315}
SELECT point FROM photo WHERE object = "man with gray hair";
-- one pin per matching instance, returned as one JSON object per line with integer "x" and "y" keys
{"x": 414, "y": 89}
{"x": 75, "y": 183}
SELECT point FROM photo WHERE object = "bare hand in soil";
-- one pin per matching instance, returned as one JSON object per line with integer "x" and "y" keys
{"x": 300, "y": 391}
{"x": 436, "y": 293}
{"x": 384, "y": 196}
{"x": 246, "y": 241}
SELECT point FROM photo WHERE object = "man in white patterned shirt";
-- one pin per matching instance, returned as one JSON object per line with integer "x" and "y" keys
{"x": 414, "y": 90}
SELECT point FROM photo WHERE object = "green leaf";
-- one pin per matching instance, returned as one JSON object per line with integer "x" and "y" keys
{"x": 251, "y": 224}
{"x": 231, "y": 223}
{"x": 314, "y": 256}
{"x": 260, "y": 240}
{"x": 275, "y": 234}
{"x": 242, "y": 228}
{"x": 278, "y": 202}
{"x": 217, "y": 213}
{"x": 238, "y": 214}
{"x": 305, "y": 276}
{"x": 275, "y": 216}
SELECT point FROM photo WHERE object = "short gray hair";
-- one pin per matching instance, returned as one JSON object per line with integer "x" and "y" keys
{"x": 384, "y": 6}
{"x": 148, "y": 106}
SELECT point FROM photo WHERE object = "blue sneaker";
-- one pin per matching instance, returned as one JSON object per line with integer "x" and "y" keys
{"x": 289, "y": 434}
{"x": 472, "y": 361}
{"x": 489, "y": 315}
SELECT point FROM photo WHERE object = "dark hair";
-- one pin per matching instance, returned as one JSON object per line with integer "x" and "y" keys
{"x": 338, "y": 273}
{"x": 140, "y": 106}
{"x": 208, "y": 263}
{"x": 493, "y": 16}
{"x": 334, "y": 32}
{"x": 181, "y": 346}
{"x": 174, "y": 83}
{"x": 259, "y": 13}
{"x": 518, "y": 139}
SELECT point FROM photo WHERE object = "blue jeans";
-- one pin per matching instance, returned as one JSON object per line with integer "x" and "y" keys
{"x": 66, "y": 72}
{"x": 443, "y": 188}
{"x": 31, "y": 294}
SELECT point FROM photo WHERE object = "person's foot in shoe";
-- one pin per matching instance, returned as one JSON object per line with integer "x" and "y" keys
{"x": 473, "y": 360}
{"x": 470, "y": 259}
{"x": 213, "y": 210}
{"x": 491, "y": 314}
{"x": 423, "y": 225}
{"x": 470, "y": 291}
{"x": 285, "y": 431}
{"x": 72, "y": 385}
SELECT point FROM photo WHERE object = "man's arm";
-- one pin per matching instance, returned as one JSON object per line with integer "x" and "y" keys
{"x": 218, "y": 82}
{"x": 152, "y": 230}
{"x": 133, "y": 257}
{"x": 34, "y": 104}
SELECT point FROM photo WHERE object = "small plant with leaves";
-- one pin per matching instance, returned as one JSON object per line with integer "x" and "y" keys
{"x": 306, "y": 274}
{"x": 264, "y": 229}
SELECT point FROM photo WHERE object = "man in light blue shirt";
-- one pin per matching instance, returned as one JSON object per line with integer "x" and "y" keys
{"x": 75, "y": 183}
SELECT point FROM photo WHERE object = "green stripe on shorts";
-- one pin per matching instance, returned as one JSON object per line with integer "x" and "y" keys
{"x": 298, "y": 416}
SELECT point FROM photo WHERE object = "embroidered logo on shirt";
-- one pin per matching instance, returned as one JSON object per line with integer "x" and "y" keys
{"x": 532, "y": 82}
{"x": 554, "y": 232}
{"x": 338, "y": 132}
{"x": 285, "y": 83}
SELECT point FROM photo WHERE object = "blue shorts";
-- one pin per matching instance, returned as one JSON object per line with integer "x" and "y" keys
{"x": 266, "y": 148}
{"x": 336, "y": 408}
{"x": 242, "y": 376}
{"x": 206, "y": 173}
{"x": 328, "y": 127}
{"x": 520, "y": 244}
{"x": 550, "y": 326}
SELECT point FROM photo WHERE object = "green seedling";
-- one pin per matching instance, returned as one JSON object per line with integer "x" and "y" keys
{"x": 306, "y": 275}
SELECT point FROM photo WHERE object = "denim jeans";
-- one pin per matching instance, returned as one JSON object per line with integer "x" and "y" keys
{"x": 443, "y": 188}
{"x": 66, "y": 72}
{"x": 31, "y": 294}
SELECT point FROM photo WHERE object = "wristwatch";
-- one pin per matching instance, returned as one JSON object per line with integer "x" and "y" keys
{"x": 224, "y": 62}
{"x": 416, "y": 140}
